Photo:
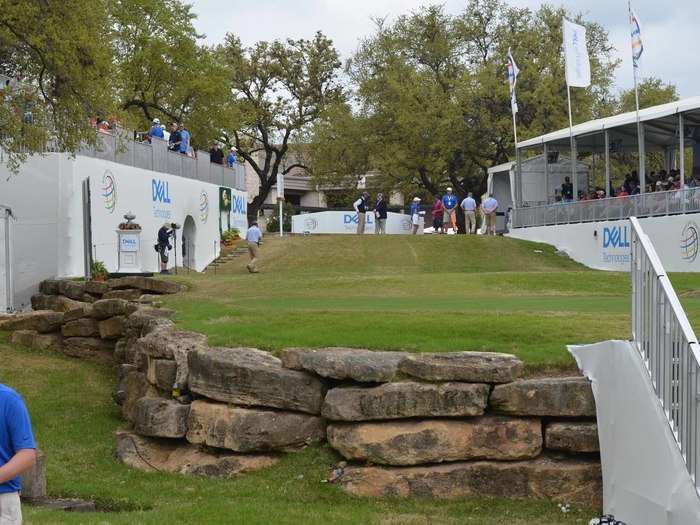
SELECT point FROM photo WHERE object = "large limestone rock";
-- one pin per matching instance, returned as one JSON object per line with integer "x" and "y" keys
{"x": 128, "y": 294}
{"x": 72, "y": 289}
{"x": 161, "y": 373}
{"x": 106, "y": 308}
{"x": 112, "y": 328}
{"x": 357, "y": 364}
{"x": 98, "y": 288}
{"x": 83, "y": 327}
{"x": 151, "y": 455}
{"x": 565, "y": 480}
{"x": 472, "y": 367}
{"x": 417, "y": 442}
{"x": 37, "y": 341}
{"x": 79, "y": 312}
{"x": 176, "y": 345}
{"x": 146, "y": 284}
{"x": 246, "y": 376}
{"x": 23, "y": 337}
{"x": 34, "y": 480}
{"x": 559, "y": 396}
{"x": 249, "y": 430}
{"x": 572, "y": 436}
{"x": 89, "y": 348}
{"x": 49, "y": 286}
{"x": 131, "y": 387}
{"x": 160, "y": 417}
{"x": 42, "y": 321}
{"x": 407, "y": 399}
{"x": 42, "y": 301}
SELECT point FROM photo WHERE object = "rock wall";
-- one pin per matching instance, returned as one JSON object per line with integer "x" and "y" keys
{"x": 420, "y": 425}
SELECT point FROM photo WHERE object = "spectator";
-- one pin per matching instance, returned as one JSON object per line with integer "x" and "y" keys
{"x": 449, "y": 201}
{"x": 231, "y": 157}
{"x": 567, "y": 190}
{"x": 216, "y": 155}
{"x": 622, "y": 192}
{"x": 628, "y": 184}
{"x": 175, "y": 138}
{"x": 438, "y": 210}
{"x": 695, "y": 181}
{"x": 669, "y": 183}
{"x": 184, "y": 139}
{"x": 254, "y": 238}
{"x": 164, "y": 246}
{"x": 415, "y": 215}
{"x": 360, "y": 206}
{"x": 659, "y": 186}
{"x": 156, "y": 131}
{"x": 469, "y": 207}
{"x": 489, "y": 207}
{"x": 380, "y": 214}
{"x": 17, "y": 453}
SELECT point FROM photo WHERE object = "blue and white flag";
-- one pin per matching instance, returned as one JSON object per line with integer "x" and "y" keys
{"x": 637, "y": 47}
{"x": 578, "y": 65}
{"x": 512, "y": 81}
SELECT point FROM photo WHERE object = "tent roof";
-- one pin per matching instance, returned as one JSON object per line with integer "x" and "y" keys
{"x": 660, "y": 133}
{"x": 536, "y": 165}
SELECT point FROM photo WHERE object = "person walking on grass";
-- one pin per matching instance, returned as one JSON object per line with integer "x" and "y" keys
{"x": 449, "y": 201}
{"x": 17, "y": 453}
{"x": 380, "y": 213}
{"x": 360, "y": 206}
{"x": 469, "y": 207}
{"x": 415, "y": 215}
{"x": 254, "y": 238}
{"x": 488, "y": 208}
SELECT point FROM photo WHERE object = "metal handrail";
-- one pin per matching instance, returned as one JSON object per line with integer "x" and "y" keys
{"x": 5, "y": 216}
{"x": 665, "y": 340}
{"x": 613, "y": 208}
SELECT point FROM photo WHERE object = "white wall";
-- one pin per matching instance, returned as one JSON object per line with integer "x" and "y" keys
{"x": 346, "y": 222}
{"x": 605, "y": 245}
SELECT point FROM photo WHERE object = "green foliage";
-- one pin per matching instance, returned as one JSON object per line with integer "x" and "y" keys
{"x": 230, "y": 235}
{"x": 273, "y": 223}
{"x": 652, "y": 92}
{"x": 98, "y": 270}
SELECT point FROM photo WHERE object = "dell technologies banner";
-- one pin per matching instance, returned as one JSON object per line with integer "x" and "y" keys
{"x": 330, "y": 222}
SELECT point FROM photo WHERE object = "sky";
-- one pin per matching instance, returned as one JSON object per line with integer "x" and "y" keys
{"x": 668, "y": 27}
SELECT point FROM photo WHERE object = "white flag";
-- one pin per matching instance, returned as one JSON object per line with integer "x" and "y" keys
{"x": 636, "y": 33}
{"x": 578, "y": 66}
{"x": 512, "y": 81}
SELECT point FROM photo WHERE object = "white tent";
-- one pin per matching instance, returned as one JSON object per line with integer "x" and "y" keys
{"x": 536, "y": 191}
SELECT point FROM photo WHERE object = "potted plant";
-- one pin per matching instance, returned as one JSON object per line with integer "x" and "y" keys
{"x": 98, "y": 271}
{"x": 229, "y": 237}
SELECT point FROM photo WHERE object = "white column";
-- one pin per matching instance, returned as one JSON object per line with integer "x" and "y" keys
{"x": 546, "y": 173}
{"x": 606, "y": 133}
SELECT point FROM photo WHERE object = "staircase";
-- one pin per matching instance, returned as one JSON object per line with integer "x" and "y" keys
{"x": 226, "y": 257}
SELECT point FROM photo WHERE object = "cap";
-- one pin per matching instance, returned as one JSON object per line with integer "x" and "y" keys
{"x": 156, "y": 121}
{"x": 416, "y": 199}
{"x": 449, "y": 189}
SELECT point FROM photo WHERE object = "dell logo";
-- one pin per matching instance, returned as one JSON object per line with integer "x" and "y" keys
{"x": 615, "y": 237}
{"x": 159, "y": 189}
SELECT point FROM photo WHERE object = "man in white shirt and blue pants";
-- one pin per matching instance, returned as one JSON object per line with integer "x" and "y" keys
{"x": 469, "y": 207}
{"x": 253, "y": 237}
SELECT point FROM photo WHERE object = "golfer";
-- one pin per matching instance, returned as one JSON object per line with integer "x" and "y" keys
{"x": 469, "y": 207}
{"x": 415, "y": 215}
{"x": 360, "y": 206}
{"x": 489, "y": 207}
{"x": 253, "y": 237}
{"x": 449, "y": 201}
{"x": 17, "y": 453}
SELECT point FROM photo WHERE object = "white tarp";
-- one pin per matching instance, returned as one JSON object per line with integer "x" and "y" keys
{"x": 346, "y": 222}
{"x": 645, "y": 481}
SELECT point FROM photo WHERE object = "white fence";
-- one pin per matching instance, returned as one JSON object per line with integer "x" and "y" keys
{"x": 666, "y": 342}
{"x": 644, "y": 205}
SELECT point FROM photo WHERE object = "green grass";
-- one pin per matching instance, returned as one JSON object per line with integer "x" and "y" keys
{"x": 418, "y": 294}
{"x": 74, "y": 419}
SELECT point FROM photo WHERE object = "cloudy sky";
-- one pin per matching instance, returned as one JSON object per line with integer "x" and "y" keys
{"x": 667, "y": 27}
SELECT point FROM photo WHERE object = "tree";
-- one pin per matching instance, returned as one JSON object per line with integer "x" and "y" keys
{"x": 278, "y": 91}
{"x": 432, "y": 99}
{"x": 652, "y": 92}
{"x": 58, "y": 56}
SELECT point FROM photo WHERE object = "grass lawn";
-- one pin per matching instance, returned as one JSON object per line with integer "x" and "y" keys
{"x": 416, "y": 294}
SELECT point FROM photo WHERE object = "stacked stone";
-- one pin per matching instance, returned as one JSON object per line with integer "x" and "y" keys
{"x": 456, "y": 425}
{"x": 243, "y": 407}
{"x": 86, "y": 319}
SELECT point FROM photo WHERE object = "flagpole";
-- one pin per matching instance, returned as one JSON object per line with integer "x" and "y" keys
{"x": 640, "y": 135}
{"x": 574, "y": 178}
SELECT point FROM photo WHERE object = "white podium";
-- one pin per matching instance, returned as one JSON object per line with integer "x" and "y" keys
{"x": 129, "y": 243}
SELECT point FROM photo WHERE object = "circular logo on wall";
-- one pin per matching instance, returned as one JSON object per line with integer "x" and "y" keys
{"x": 203, "y": 206}
{"x": 109, "y": 191}
{"x": 310, "y": 224}
{"x": 689, "y": 242}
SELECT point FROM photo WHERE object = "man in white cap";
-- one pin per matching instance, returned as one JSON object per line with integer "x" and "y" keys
{"x": 449, "y": 201}
{"x": 156, "y": 131}
{"x": 415, "y": 215}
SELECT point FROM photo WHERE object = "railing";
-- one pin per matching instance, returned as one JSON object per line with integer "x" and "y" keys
{"x": 667, "y": 344}
{"x": 615, "y": 208}
{"x": 6, "y": 256}
{"x": 156, "y": 157}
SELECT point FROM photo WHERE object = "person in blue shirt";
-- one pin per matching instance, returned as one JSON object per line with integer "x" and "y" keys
{"x": 254, "y": 238}
{"x": 231, "y": 158}
{"x": 156, "y": 131}
{"x": 17, "y": 452}
{"x": 449, "y": 201}
{"x": 415, "y": 215}
{"x": 184, "y": 139}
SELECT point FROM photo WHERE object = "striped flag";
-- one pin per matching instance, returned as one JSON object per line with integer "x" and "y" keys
{"x": 637, "y": 47}
{"x": 513, "y": 72}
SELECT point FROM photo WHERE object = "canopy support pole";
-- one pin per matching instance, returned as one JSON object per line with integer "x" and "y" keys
{"x": 519, "y": 178}
{"x": 546, "y": 173}
{"x": 606, "y": 134}
{"x": 681, "y": 154}
{"x": 574, "y": 178}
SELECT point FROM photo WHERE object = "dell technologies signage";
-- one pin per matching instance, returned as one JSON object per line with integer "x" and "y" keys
{"x": 616, "y": 245}
{"x": 162, "y": 204}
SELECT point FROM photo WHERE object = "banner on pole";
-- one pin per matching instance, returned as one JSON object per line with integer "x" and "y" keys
{"x": 578, "y": 65}
{"x": 513, "y": 72}
{"x": 637, "y": 47}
